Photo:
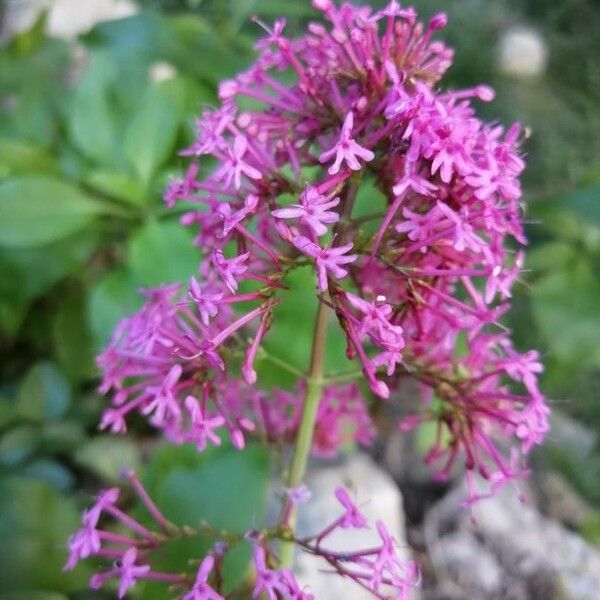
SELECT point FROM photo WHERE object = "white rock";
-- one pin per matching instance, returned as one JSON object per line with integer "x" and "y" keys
{"x": 378, "y": 498}
{"x": 69, "y": 18}
{"x": 538, "y": 556}
{"x": 523, "y": 52}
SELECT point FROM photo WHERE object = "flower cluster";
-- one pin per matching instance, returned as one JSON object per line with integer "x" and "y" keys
{"x": 297, "y": 136}
{"x": 379, "y": 569}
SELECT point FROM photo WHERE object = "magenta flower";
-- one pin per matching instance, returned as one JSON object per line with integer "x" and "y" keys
{"x": 313, "y": 211}
{"x": 202, "y": 428}
{"x": 346, "y": 149}
{"x": 83, "y": 543}
{"x": 270, "y": 582}
{"x": 274, "y": 584}
{"x": 233, "y": 169}
{"x": 352, "y": 518}
{"x": 201, "y": 589}
{"x": 206, "y": 301}
{"x": 130, "y": 572}
{"x": 182, "y": 189}
{"x": 230, "y": 268}
{"x": 327, "y": 260}
{"x": 164, "y": 405}
{"x": 298, "y": 495}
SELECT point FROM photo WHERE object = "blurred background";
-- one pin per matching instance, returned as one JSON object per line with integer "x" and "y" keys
{"x": 95, "y": 98}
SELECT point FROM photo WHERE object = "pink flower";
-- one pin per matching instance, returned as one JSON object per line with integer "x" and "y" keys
{"x": 327, "y": 260}
{"x": 130, "y": 572}
{"x": 313, "y": 211}
{"x": 230, "y": 268}
{"x": 164, "y": 405}
{"x": 201, "y": 589}
{"x": 206, "y": 301}
{"x": 182, "y": 189}
{"x": 298, "y": 495}
{"x": 235, "y": 167}
{"x": 202, "y": 427}
{"x": 268, "y": 581}
{"x": 352, "y": 518}
{"x": 346, "y": 149}
{"x": 83, "y": 543}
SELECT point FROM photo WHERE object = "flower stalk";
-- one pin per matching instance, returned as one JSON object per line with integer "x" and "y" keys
{"x": 314, "y": 390}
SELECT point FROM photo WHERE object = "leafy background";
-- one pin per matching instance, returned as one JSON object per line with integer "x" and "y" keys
{"x": 88, "y": 135}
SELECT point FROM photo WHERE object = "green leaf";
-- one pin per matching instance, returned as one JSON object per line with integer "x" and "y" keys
{"x": 572, "y": 216}
{"x": 93, "y": 120}
{"x": 107, "y": 456}
{"x": 565, "y": 306}
{"x": 290, "y": 337}
{"x": 33, "y": 595}
{"x": 18, "y": 444}
{"x": 72, "y": 338}
{"x": 18, "y": 156}
{"x": 150, "y": 139}
{"x": 44, "y": 394}
{"x": 222, "y": 486}
{"x": 162, "y": 252}
{"x": 61, "y": 437}
{"x": 118, "y": 185}
{"x": 27, "y": 273}
{"x": 39, "y": 210}
{"x": 35, "y": 523}
{"x": 369, "y": 201}
{"x": 110, "y": 300}
{"x": 49, "y": 471}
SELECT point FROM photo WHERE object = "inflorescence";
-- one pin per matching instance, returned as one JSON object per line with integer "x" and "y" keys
{"x": 353, "y": 103}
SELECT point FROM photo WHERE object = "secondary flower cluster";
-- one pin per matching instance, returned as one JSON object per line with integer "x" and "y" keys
{"x": 379, "y": 569}
{"x": 165, "y": 363}
{"x": 417, "y": 284}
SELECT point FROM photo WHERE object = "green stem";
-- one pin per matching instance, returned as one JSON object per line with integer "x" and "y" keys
{"x": 314, "y": 388}
{"x": 282, "y": 364}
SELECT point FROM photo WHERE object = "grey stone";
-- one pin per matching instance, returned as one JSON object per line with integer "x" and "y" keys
{"x": 512, "y": 552}
{"x": 378, "y": 498}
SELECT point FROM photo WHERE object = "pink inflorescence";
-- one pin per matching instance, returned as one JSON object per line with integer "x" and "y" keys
{"x": 110, "y": 534}
{"x": 354, "y": 103}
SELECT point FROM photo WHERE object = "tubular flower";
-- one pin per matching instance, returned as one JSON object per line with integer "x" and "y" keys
{"x": 298, "y": 163}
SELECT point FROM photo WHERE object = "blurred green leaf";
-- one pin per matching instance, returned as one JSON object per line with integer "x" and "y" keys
{"x": 49, "y": 471}
{"x": 554, "y": 255}
{"x": 93, "y": 120}
{"x": 26, "y": 273}
{"x": 565, "y": 305}
{"x": 150, "y": 138}
{"x": 572, "y": 216}
{"x": 162, "y": 252}
{"x": 118, "y": 185}
{"x": 107, "y": 456}
{"x": 18, "y": 444}
{"x": 222, "y": 486}
{"x": 138, "y": 37}
{"x": 8, "y": 412}
{"x": 33, "y": 595}
{"x": 35, "y": 523}
{"x": 61, "y": 437}
{"x": 38, "y": 210}
{"x": 73, "y": 343}
{"x": 110, "y": 300}
{"x": 30, "y": 40}
{"x": 18, "y": 156}
{"x": 44, "y": 394}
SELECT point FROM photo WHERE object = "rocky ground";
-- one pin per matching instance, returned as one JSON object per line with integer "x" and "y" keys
{"x": 510, "y": 548}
